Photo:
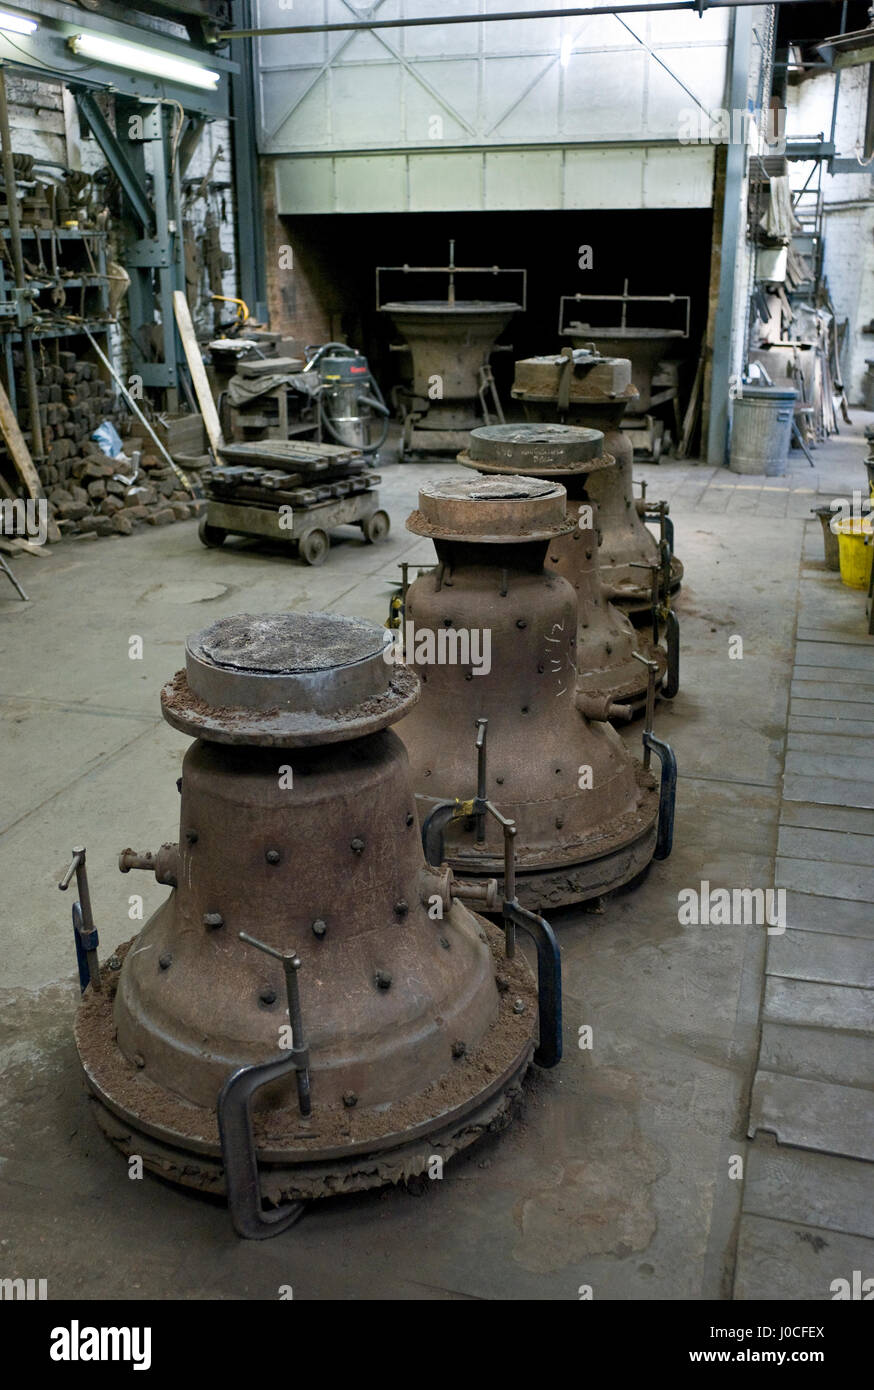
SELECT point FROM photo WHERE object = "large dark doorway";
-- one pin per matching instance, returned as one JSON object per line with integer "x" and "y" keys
{"x": 660, "y": 252}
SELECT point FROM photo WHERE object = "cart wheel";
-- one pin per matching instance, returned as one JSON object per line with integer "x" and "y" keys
{"x": 376, "y": 527}
{"x": 211, "y": 536}
{"x": 314, "y": 547}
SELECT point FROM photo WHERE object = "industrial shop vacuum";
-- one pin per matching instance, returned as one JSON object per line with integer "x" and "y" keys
{"x": 314, "y": 1009}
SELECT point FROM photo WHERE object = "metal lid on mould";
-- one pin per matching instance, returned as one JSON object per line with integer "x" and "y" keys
{"x": 537, "y": 450}
{"x": 287, "y": 679}
{"x": 491, "y": 510}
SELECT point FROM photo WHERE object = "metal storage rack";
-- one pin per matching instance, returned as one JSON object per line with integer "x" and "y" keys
{"x": 85, "y": 289}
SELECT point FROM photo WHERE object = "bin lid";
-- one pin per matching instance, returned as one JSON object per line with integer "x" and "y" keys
{"x": 766, "y": 393}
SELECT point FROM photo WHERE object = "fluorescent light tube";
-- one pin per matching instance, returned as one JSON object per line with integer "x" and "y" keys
{"x": 16, "y": 23}
{"x": 150, "y": 61}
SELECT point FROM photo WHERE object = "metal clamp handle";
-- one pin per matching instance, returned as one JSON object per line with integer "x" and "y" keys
{"x": 234, "y": 1110}
{"x": 548, "y": 1051}
{"x": 667, "y": 793}
{"x": 84, "y": 930}
{"x": 668, "y": 760}
{"x": 240, "y": 1159}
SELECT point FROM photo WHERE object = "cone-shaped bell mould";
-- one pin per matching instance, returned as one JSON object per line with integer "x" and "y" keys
{"x": 606, "y": 639}
{"x": 298, "y": 826}
{"x": 493, "y": 635}
{"x": 596, "y": 396}
{"x": 449, "y": 341}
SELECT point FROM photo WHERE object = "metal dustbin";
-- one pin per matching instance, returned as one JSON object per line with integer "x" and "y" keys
{"x": 761, "y": 429}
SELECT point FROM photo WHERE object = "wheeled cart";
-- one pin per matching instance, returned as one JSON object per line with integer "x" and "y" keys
{"x": 291, "y": 491}
{"x": 308, "y": 527}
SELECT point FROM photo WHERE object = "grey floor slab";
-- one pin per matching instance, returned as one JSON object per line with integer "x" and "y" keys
{"x": 823, "y": 956}
{"x": 836, "y": 846}
{"x": 807, "y": 912}
{"x": 821, "y": 1054}
{"x": 829, "y": 791}
{"x": 788, "y": 1261}
{"x": 802, "y": 723}
{"x": 831, "y": 678}
{"x": 838, "y": 711}
{"x": 846, "y": 632}
{"x": 827, "y": 878}
{"x": 60, "y": 747}
{"x": 845, "y": 655}
{"x": 830, "y": 744}
{"x": 810, "y": 1189}
{"x": 813, "y": 1114}
{"x": 851, "y": 819}
{"x": 826, "y": 764}
{"x": 822, "y": 1005}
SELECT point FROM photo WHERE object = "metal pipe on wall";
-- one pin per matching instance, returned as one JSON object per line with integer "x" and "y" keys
{"x": 36, "y": 439}
{"x": 506, "y": 17}
{"x": 735, "y": 173}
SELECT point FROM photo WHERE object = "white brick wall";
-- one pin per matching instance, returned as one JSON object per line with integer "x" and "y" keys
{"x": 848, "y": 225}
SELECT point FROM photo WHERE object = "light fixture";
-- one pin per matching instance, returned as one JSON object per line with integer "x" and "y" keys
{"x": 150, "y": 61}
{"x": 796, "y": 58}
{"x": 567, "y": 44}
{"x": 16, "y": 23}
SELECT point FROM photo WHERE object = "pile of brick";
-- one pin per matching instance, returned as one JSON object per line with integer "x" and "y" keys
{"x": 89, "y": 493}
{"x": 106, "y": 497}
{"x": 73, "y": 401}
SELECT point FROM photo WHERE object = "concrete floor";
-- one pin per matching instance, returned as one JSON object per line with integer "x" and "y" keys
{"x": 615, "y": 1175}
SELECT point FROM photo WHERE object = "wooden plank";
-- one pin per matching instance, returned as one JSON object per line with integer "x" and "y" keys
{"x": 198, "y": 372}
{"x": 18, "y": 450}
{"x": 16, "y": 545}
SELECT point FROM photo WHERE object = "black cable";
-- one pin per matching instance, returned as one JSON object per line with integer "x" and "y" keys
{"x": 69, "y": 77}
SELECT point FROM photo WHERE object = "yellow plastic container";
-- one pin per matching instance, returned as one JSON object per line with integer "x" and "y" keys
{"x": 856, "y": 551}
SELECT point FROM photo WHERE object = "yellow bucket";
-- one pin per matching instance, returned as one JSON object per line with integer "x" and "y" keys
{"x": 856, "y": 551}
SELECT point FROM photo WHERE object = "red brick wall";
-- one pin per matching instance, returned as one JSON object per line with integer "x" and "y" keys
{"x": 302, "y": 301}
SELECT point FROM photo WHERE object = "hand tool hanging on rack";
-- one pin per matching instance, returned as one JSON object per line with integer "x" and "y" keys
{"x": 25, "y": 312}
